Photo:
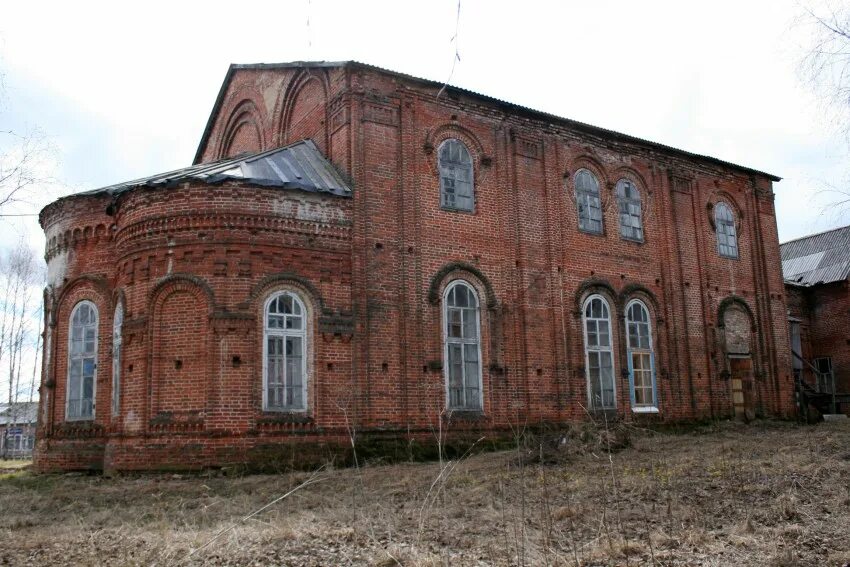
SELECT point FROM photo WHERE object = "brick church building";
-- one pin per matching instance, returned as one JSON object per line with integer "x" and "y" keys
{"x": 358, "y": 251}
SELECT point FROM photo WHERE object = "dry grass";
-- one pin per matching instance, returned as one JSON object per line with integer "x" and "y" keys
{"x": 766, "y": 494}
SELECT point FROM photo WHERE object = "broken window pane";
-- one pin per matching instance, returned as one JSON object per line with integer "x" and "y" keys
{"x": 456, "y": 176}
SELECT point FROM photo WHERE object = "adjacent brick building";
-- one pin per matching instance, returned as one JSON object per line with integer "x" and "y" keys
{"x": 358, "y": 251}
{"x": 817, "y": 281}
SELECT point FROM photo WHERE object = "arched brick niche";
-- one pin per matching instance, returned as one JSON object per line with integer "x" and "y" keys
{"x": 180, "y": 308}
{"x": 305, "y": 111}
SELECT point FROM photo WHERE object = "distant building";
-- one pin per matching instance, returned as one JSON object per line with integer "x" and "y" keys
{"x": 816, "y": 269}
{"x": 356, "y": 249}
{"x": 17, "y": 429}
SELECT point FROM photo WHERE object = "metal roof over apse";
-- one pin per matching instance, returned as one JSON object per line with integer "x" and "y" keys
{"x": 819, "y": 258}
{"x": 298, "y": 166}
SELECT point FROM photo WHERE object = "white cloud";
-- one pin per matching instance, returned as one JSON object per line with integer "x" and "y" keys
{"x": 126, "y": 89}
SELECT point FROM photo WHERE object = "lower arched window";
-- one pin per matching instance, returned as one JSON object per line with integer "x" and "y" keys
{"x": 117, "y": 323}
{"x": 599, "y": 357}
{"x": 641, "y": 357}
{"x": 82, "y": 361}
{"x": 462, "y": 332}
{"x": 284, "y": 353}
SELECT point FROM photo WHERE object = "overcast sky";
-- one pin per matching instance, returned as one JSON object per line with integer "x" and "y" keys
{"x": 124, "y": 90}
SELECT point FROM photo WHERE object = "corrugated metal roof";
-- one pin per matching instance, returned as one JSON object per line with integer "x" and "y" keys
{"x": 297, "y": 166}
{"x": 509, "y": 106}
{"x": 819, "y": 258}
{"x": 19, "y": 413}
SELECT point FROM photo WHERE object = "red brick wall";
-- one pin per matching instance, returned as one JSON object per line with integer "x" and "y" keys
{"x": 825, "y": 314}
{"x": 372, "y": 270}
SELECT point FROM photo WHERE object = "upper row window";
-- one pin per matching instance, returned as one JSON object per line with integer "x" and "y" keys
{"x": 457, "y": 193}
{"x": 456, "y": 186}
{"x": 727, "y": 236}
{"x": 589, "y": 205}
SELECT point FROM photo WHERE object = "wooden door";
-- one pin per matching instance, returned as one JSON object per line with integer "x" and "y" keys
{"x": 742, "y": 387}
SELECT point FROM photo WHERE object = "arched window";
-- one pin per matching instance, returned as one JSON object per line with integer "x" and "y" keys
{"x": 641, "y": 357}
{"x": 82, "y": 362}
{"x": 727, "y": 236}
{"x": 588, "y": 202}
{"x": 284, "y": 353}
{"x": 599, "y": 357}
{"x": 628, "y": 201}
{"x": 455, "y": 165}
{"x": 117, "y": 323}
{"x": 462, "y": 356}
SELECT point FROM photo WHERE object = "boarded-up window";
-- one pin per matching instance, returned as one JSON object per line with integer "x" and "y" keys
{"x": 737, "y": 330}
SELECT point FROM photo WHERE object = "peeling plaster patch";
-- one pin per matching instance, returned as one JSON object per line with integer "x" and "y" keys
{"x": 313, "y": 210}
{"x": 57, "y": 269}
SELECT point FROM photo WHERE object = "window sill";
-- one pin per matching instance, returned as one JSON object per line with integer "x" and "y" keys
{"x": 285, "y": 416}
{"x": 454, "y": 210}
{"x": 645, "y": 409}
{"x": 465, "y": 414}
{"x": 79, "y": 419}
{"x": 591, "y": 232}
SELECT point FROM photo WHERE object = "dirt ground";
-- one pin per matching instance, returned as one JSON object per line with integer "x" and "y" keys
{"x": 773, "y": 494}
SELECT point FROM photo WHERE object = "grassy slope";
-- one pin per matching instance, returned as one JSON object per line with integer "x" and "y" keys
{"x": 765, "y": 494}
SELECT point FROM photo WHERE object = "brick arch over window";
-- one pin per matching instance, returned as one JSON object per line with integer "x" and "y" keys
{"x": 243, "y": 131}
{"x": 439, "y": 280}
{"x": 724, "y": 197}
{"x": 180, "y": 310}
{"x": 303, "y": 110}
{"x": 443, "y": 132}
{"x": 261, "y": 289}
{"x": 639, "y": 291}
{"x": 96, "y": 284}
{"x": 596, "y": 286}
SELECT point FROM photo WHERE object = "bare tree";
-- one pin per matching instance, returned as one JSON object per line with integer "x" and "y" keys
{"x": 825, "y": 67}
{"x": 25, "y": 160}
{"x": 20, "y": 276}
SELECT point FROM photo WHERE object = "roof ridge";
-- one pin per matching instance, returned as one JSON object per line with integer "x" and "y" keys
{"x": 813, "y": 235}
{"x": 629, "y": 138}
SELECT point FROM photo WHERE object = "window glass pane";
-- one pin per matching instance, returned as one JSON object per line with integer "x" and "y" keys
{"x": 455, "y": 326}
{"x": 604, "y": 338}
{"x": 455, "y": 366}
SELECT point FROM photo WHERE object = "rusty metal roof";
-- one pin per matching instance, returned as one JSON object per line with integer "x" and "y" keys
{"x": 818, "y": 258}
{"x": 297, "y": 166}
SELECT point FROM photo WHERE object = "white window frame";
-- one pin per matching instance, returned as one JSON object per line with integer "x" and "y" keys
{"x": 440, "y": 170}
{"x": 95, "y": 355}
{"x": 117, "y": 341}
{"x": 454, "y": 340}
{"x": 609, "y": 349}
{"x": 643, "y": 408}
{"x": 581, "y": 195}
{"x": 726, "y": 227}
{"x": 622, "y": 200}
{"x": 284, "y": 333}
